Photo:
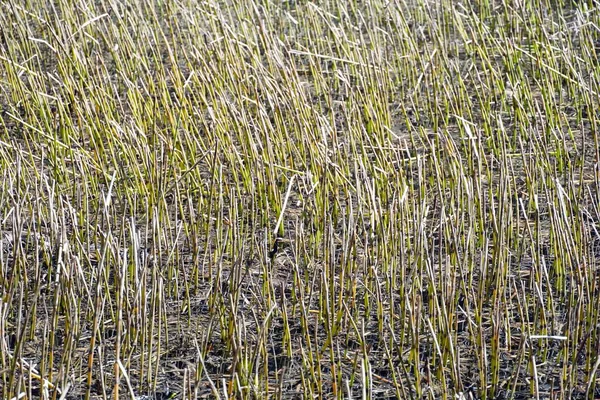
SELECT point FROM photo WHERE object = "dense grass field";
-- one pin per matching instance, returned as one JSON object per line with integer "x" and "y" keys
{"x": 298, "y": 200}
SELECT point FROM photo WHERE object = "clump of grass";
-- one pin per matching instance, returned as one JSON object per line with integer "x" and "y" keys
{"x": 291, "y": 199}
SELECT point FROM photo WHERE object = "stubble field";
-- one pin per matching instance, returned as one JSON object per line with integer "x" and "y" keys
{"x": 293, "y": 199}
